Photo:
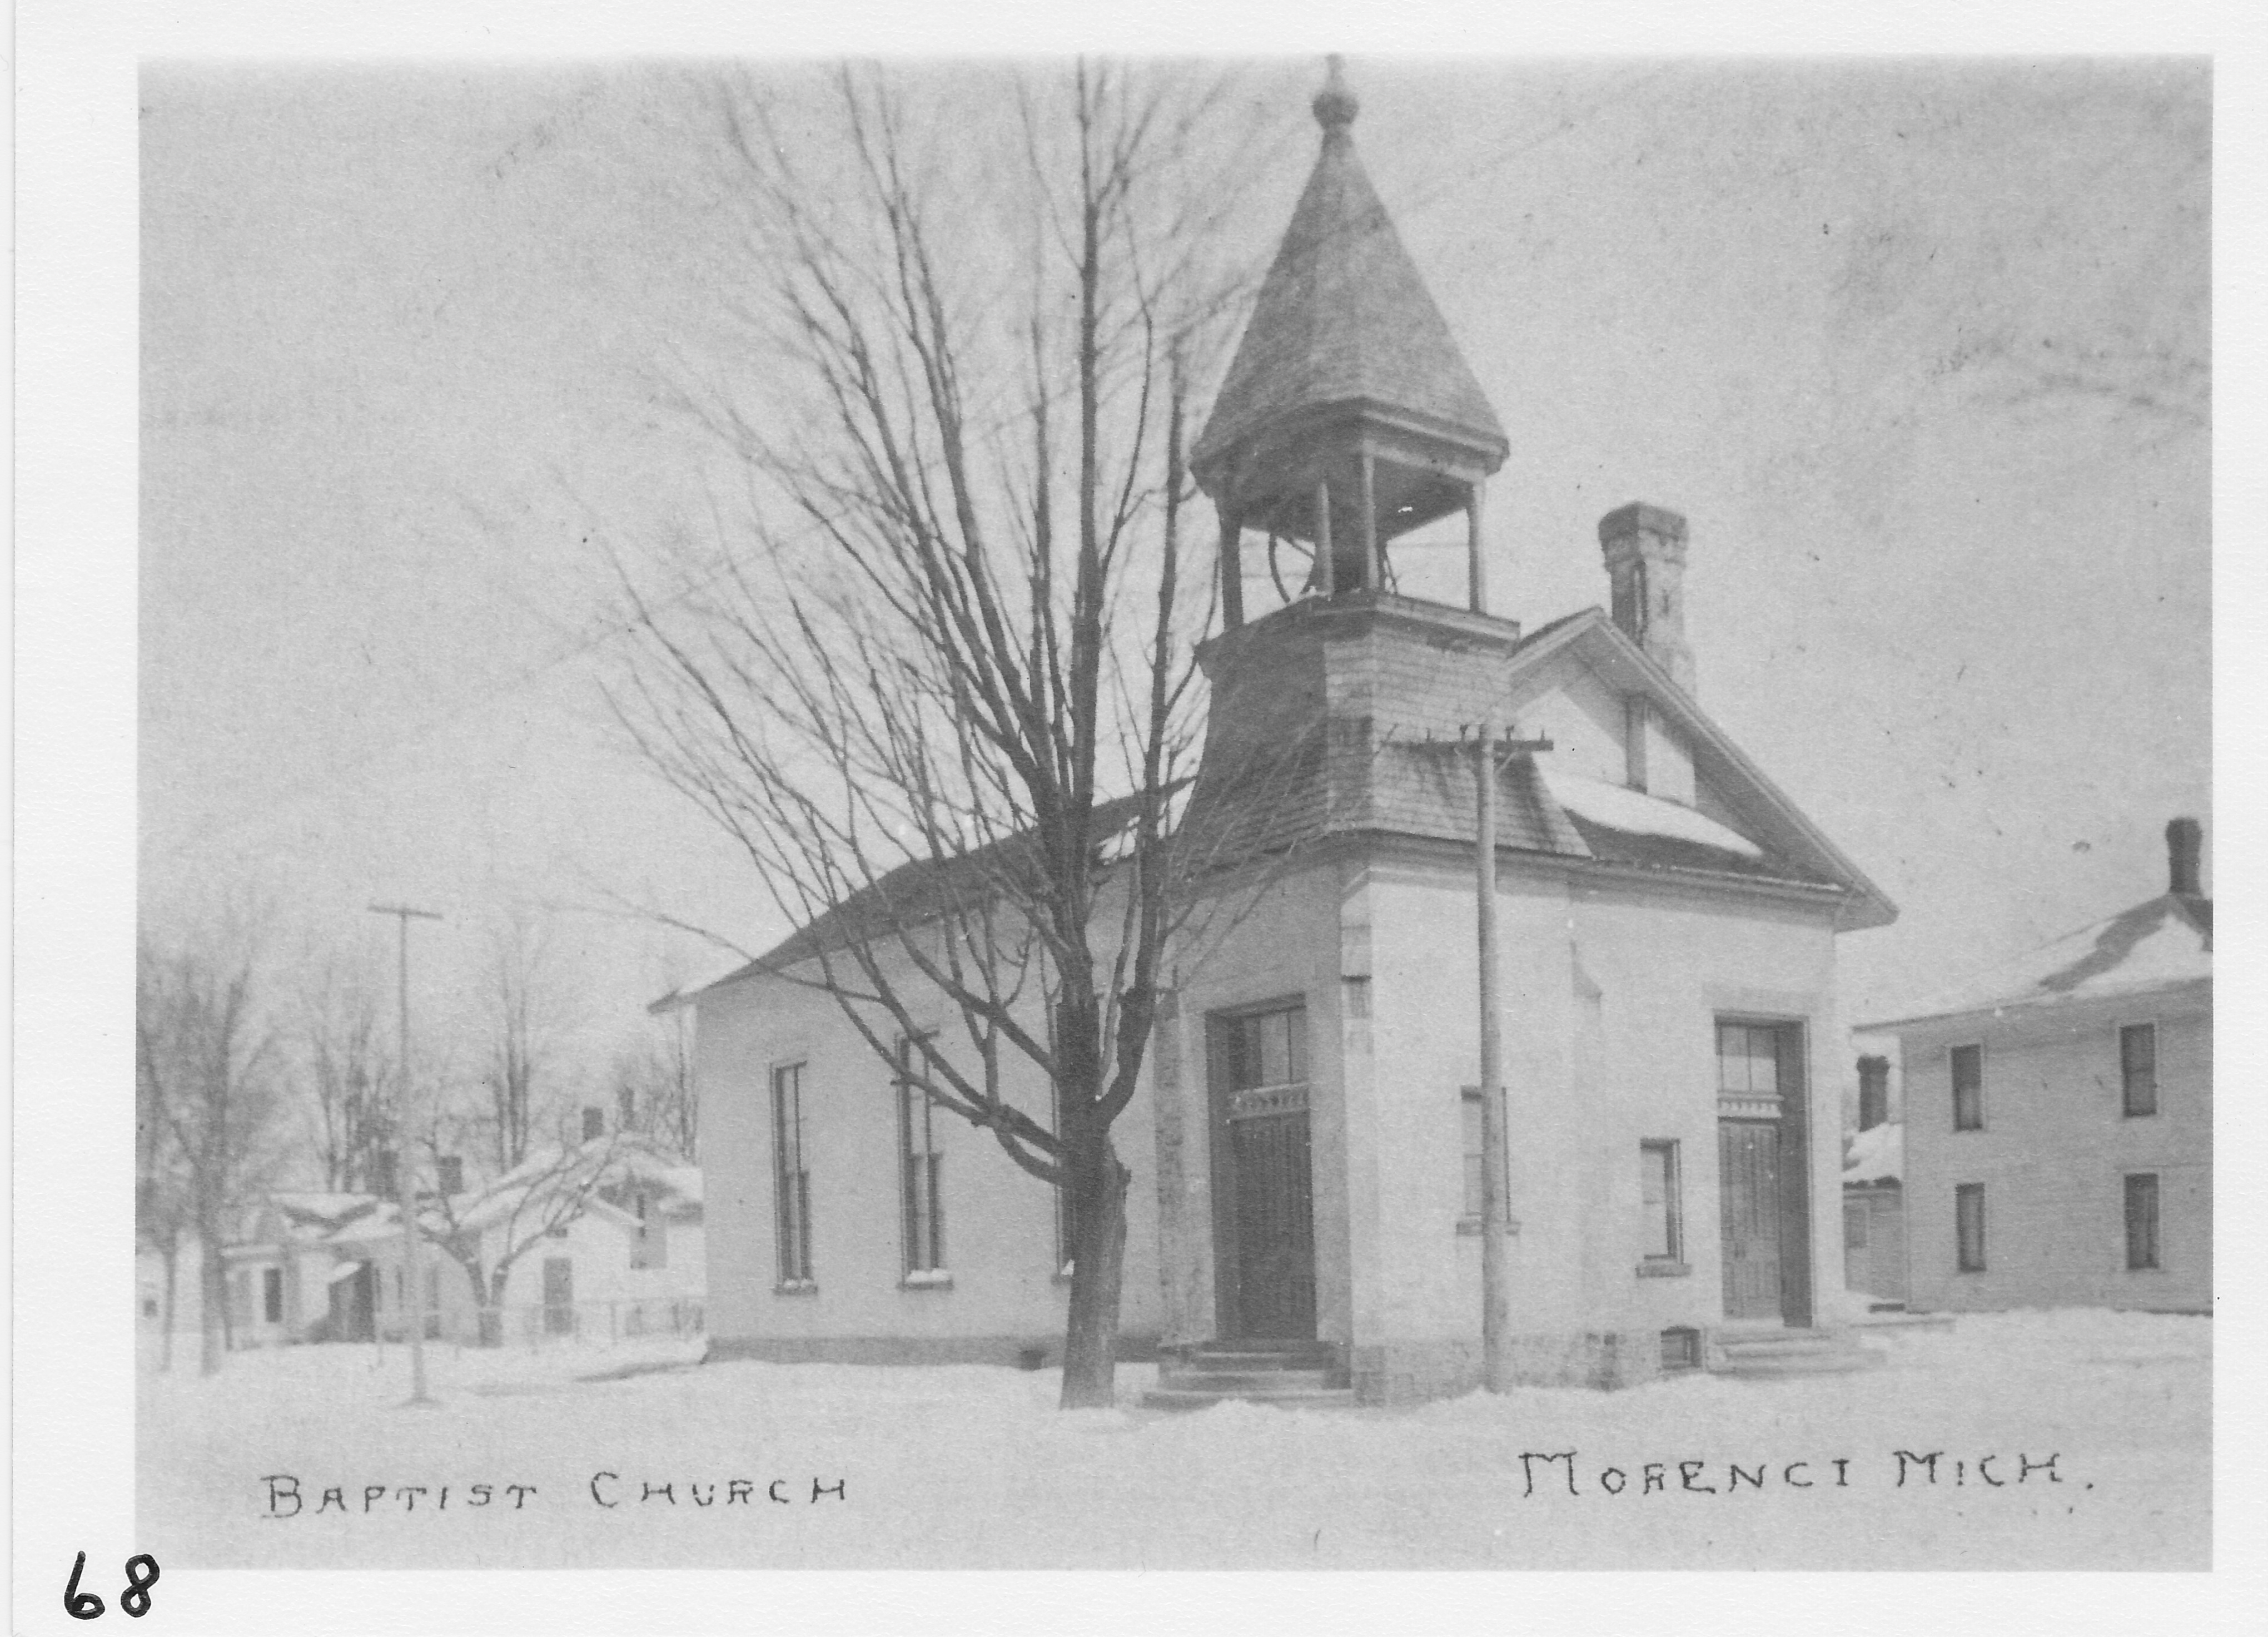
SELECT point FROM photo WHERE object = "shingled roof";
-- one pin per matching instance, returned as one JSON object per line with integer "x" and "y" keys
{"x": 1343, "y": 316}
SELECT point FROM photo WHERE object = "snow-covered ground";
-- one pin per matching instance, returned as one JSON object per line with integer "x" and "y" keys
{"x": 2062, "y": 1440}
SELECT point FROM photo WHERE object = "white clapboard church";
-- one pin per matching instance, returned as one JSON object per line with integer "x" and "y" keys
{"x": 1306, "y": 1147}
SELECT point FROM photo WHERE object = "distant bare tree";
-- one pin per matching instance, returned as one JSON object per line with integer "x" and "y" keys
{"x": 654, "y": 1094}
{"x": 206, "y": 1060}
{"x": 343, "y": 1041}
{"x": 521, "y": 1028}
{"x": 947, "y": 723}
{"x": 488, "y": 1231}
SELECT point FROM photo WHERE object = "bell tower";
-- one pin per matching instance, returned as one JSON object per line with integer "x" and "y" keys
{"x": 1348, "y": 416}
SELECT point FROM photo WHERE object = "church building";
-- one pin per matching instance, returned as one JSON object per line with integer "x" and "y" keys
{"x": 1306, "y": 1147}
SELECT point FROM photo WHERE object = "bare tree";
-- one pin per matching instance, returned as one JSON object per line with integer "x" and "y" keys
{"x": 946, "y": 716}
{"x": 654, "y": 1094}
{"x": 521, "y": 1029}
{"x": 206, "y": 1060}
{"x": 342, "y": 1037}
{"x": 487, "y": 1232}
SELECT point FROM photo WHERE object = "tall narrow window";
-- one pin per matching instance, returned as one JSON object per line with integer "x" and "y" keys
{"x": 2138, "y": 1069}
{"x": 1969, "y": 1227}
{"x": 1066, "y": 1208}
{"x": 1474, "y": 1114}
{"x": 271, "y": 1291}
{"x": 790, "y": 1180}
{"x": 1665, "y": 1228}
{"x": 1969, "y": 1088}
{"x": 2142, "y": 1220}
{"x": 921, "y": 1204}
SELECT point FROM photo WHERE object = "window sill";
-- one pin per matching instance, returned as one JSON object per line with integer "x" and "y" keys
{"x": 1469, "y": 1227}
{"x": 796, "y": 1287}
{"x": 1662, "y": 1267}
{"x": 927, "y": 1278}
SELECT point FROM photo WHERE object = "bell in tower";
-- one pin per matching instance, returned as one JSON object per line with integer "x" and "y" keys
{"x": 1348, "y": 416}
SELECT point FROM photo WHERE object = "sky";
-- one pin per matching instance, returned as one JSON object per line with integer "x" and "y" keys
{"x": 1918, "y": 348}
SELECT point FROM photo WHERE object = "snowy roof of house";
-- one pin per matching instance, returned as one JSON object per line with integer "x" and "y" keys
{"x": 917, "y": 892}
{"x": 600, "y": 1159}
{"x": 2163, "y": 943}
{"x": 1343, "y": 317}
{"x": 1877, "y": 1155}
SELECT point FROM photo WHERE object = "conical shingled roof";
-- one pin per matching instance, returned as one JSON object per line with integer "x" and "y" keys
{"x": 1344, "y": 315}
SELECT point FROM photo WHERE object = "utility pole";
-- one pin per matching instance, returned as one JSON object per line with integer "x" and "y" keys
{"x": 405, "y": 1177}
{"x": 1496, "y": 1190}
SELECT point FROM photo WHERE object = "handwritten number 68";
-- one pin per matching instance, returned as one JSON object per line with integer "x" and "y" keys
{"x": 141, "y": 1574}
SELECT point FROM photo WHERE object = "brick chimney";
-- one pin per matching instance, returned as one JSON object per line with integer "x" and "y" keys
{"x": 1874, "y": 1092}
{"x": 1644, "y": 548}
{"x": 2184, "y": 845}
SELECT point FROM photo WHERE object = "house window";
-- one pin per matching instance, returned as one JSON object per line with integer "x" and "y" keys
{"x": 594, "y": 1124}
{"x": 650, "y": 1248}
{"x": 2138, "y": 1069}
{"x": 1969, "y": 1227}
{"x": 450, "y": 1169}
{"x": 921, "y": 1202}
{"x": 1969, "y": 1088}
{"x": 790, "y": 1180}
{"x": 2142, "y": 1220}
{"x": 271, "y": 1290}
{"x": 1665, "y": 1235}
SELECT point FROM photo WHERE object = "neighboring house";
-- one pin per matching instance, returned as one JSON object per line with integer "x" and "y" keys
{"x": 280, "y": 1263}
{"x": 1874, "y": 1215}
{"x": 2059, "y": 1145}
{"x": 626, "y": 1257}
{"x": 1306, "y": 1144}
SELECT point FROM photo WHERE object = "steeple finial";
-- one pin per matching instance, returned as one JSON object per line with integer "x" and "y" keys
{"x": 1334, "y": 105}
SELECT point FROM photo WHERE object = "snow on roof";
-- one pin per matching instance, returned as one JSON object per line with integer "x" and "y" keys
{"x": 382, "y": 1223}
{"x": 2158, "y": 944}
{"x": 1877, "y": 1155}
{"x": 329, "y": 1206}
{"x": 1636, "y": 813}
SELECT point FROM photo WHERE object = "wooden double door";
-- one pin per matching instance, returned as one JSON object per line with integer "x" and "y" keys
{"x": 1263, "y": 1188}
{"x": 1748, "y": 1183}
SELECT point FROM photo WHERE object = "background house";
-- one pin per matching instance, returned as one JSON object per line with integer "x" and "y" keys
{"x": 2059, "y": 1131}
{"x": 1874, "y": 1215}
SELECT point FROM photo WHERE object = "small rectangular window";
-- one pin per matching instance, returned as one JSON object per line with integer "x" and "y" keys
{"x": 2138, "y": 1069}
{"x": 1267, "y": 1048}
{"x": 1969, "y": 1227}
{"x": 1969, "y": 1088}
{"x": 1664, "y": 1228}
{"x": 2142, "y": 1220}
{"x": 271, "y": 1295}
{"x": 921, "y": 1202}
{"x": 790, "y": 1179}
{"x": 1749, "y": 1058}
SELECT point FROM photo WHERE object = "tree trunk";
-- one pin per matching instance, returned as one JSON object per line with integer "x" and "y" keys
{"x": 490, "y": 1290}
{"x": 173, "y": 1258}
{"x": 212, "y": 1283}
{"x": 1091, "y": 1332}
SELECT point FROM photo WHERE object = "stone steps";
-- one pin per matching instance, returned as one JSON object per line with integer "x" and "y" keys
{"x": 1296, "y": 1374}
{"x": 1767, "y": 1355}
